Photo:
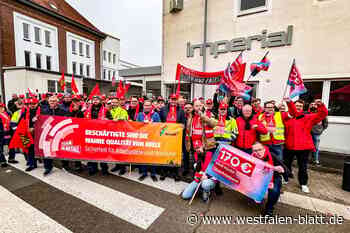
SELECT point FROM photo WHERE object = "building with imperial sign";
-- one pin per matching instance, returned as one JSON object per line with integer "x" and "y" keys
{"x": 314, "y": 32}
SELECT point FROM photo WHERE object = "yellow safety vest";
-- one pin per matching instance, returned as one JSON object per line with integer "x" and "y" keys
{"x": 279, "y": 133}
{"x": 230, "y": 128}
{"x": 119, "y": 114}
{"x": 15, "y": 116}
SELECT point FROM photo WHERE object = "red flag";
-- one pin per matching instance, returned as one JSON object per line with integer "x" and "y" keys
{"x": 113, "y": 81}
{"x": 295, "y": 82}
{"x": 30, "y": 93}
{"x": 62, "y": 82}
{"x": 95, "y": 91}
{"x": 74, "y": 86}
{"x": 22, "y": 138}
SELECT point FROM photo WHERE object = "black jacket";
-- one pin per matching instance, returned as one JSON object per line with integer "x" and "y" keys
{"x": 180, "y": 115}
{"x": 95, "y": 110}
{"x": 53, "y": 112}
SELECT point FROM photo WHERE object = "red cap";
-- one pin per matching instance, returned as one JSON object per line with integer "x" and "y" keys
{"x": 59, "y": 95}
{"x": 27, "y": 101}
{"x": 2, "y": 105}
{"x": 34, "y": 101}
{"x": 141, "y": 100}
{"x": 160, "y": 98}
{"x": 201, "y": 98}
{"x": 122, "y": 98}
{"x": 223, "y": 105}
{"x": 173, "y": 96}
{"x": 209, "y": 101}
{"x": 75, "y": 97}
{"x": 21, "y": 96}
{"x": 43, "y": 96}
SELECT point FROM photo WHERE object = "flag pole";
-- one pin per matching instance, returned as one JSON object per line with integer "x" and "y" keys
{"x": 285, "y": 89}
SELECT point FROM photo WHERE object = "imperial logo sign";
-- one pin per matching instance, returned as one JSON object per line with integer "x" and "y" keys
{"x": 275, "y": 39}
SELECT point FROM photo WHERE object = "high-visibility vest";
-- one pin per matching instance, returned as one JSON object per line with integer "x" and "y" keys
{"x": 119, "y": 114}
{"x": 231, "y": 129}
{"x": 16, "y": 116}
{"x": 279, "y": 133}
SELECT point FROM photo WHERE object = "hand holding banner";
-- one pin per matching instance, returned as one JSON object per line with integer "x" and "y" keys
{"x": 241, "y": 172}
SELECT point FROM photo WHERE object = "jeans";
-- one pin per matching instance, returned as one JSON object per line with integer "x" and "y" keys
{"x": 12, "y": 154}
{"x": 273, "y": 194}
{"x": 207, "y": 185}
{"x": 144, "y": 169}
{"x": 2, "y": 156}
{"x": 316, "y": 140}
{"x": 276, "y": 150}
{"x": 48, "y": 164}
{"x": 186, "y": 160}
{"x": 302, "y": 159}
{"x": 31, "y": 157}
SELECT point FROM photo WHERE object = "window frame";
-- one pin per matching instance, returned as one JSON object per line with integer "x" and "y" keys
{"x": 114, "y": 58}
{"x": 28, "y": 33}
{"x": 81, "y": 48}
{"x": 109, "y": 57}
{"x": 104, "y": 55}
{"x": 88, "y": 71}
{"x": 81, "y": 69}
{"x": 38, "y": 55}
{"x": 87, "y": 48}
{"x": 25, "y": 53}
{"x": 47, "y": 42}
{"x": 49, "y": 63}
{"x": 74, "y": 67}
{"x": 39, "y": 35}
{"x": 74, "y": 47}
{"x": 239, "y": 12}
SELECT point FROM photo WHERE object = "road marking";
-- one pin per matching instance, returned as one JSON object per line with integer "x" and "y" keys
{"x": 121, "y": 205}
{"x": 315, "y": 204}
{"x": 19, "y": 216}
{"x": 168, "y": 185}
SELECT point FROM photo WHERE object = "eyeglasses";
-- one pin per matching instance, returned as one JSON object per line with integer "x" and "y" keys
{"x": 222, "y": 109}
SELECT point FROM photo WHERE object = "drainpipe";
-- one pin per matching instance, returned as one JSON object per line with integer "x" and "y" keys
{"x": 205, "y": 42}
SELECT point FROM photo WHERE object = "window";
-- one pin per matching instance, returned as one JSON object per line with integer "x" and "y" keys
{"x": 48, "y": 62}
{"x": 74, "y": 68}
{"x": 104, "y": 55}
{"x": 114, "y": 56}
{"x": 81, "y": 69}
{"x": 109, "y": 75}
{"x": 109, "y": 57}
{"x": 27, "y": 58}
{"x": 74, "y": 48}
{"x": 51, "y": 86}
{"x": 339, "y": 98}
{"x": 314, "y": 91}
{"x": 87, "y": 50}
{"x": 104, "y": 74}
{"x": 113, "y": 74}
{"x": 37, "y": 35}
{"x": 26, "y": 31}
{"x": 68, "y": 87}
{"x": 38, "y": 60}
{"x": 81, "y": 49}
{"x": 47, "y": 38}
{"x": 87, "y": 70}
{"x": 252, "y": 6}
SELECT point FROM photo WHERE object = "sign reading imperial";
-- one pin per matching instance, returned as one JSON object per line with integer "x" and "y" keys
{"x": 275, "y": 39}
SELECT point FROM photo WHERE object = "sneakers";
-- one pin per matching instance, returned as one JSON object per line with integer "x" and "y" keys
{"x": 141, "y": 178}
{"x": 116, "y": 168}
{"x": 4, "y": 165}
{"x": 122, "y": 171}
{"x": 46, "y": 172}
{"x": 29, "y": 169}
{"x": 154, "y": 178}
{"x": 12, "y": 161}
{"x": 205, "y": 196}
{"x": 305, "y": 189}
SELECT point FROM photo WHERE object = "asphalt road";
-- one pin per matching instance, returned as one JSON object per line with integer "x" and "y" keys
{"x": 70, "y": 202}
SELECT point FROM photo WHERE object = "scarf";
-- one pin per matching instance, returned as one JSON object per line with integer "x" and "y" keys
{"x": 209, "y": 133}
{"x": 147, "y": 117}
{"x": 220, "y": 128}
{"x": 101, "y": 113}
{"x": 171, "y": 118}
{"x": 197, "y": 131}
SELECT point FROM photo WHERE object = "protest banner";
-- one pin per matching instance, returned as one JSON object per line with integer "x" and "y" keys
{"x": 241, "y": 172}
{"x": 108, "y": 141}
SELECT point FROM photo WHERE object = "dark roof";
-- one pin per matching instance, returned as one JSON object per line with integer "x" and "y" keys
{"x": 150, "y": 70}
{"x": 67, "y": 12}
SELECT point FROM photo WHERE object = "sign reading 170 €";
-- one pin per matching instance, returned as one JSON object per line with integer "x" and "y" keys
{"x": 275, "y": 39}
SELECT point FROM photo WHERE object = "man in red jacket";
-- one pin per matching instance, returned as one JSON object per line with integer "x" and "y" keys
{"x": 248, "y": 128}
{"x": 298, "y": 137}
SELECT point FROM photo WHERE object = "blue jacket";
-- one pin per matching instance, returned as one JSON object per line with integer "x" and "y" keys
{"x": 155, "y": 117}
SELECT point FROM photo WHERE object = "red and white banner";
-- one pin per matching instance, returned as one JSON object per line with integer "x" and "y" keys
{"x": 108, "y": 141}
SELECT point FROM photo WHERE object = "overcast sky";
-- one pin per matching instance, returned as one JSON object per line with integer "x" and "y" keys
{"x": 137, "y": 23}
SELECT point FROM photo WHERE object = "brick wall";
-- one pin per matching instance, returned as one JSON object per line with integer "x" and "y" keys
{"x": 7, "y": 7}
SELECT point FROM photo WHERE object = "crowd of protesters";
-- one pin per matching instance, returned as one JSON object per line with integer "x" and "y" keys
{"x": 275, "y": 133}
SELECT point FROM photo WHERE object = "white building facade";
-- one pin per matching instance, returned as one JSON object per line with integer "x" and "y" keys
{"x": 80, "y": 55}
{"x": 313, "y": 32}
{"x": 36, "y": 43}
{"x": 110, "y": 56}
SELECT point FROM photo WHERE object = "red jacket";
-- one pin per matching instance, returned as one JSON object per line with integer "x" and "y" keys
{"x": 298, "y": 128}
{"x": 246, "y": 138}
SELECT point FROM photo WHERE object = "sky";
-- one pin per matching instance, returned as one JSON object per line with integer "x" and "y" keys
{"x": 137, "y": 23}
